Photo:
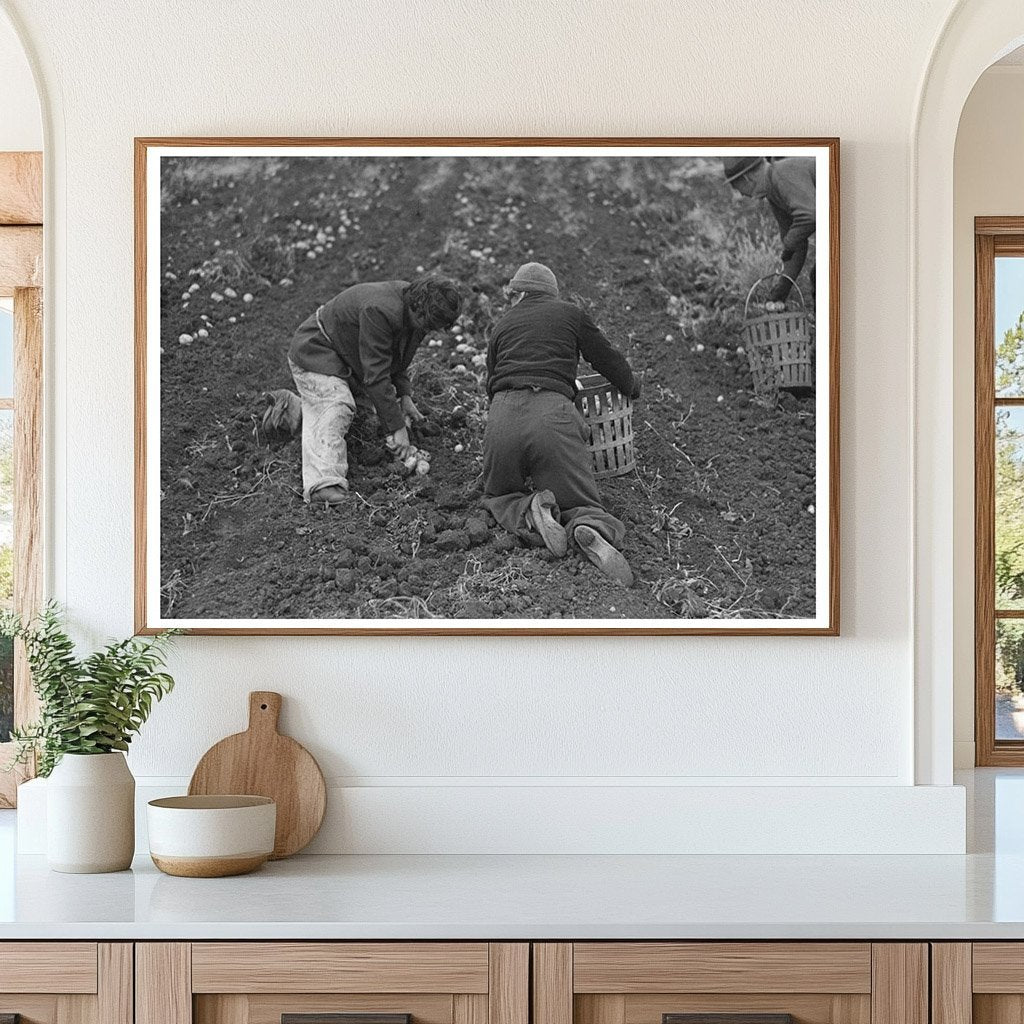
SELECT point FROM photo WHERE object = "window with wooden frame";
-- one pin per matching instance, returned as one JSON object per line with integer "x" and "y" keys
{"x": 999, "y": 490}
{"x": 21, "y": 365}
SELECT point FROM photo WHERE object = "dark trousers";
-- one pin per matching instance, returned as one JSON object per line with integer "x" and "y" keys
{"x": 539, "y": 436}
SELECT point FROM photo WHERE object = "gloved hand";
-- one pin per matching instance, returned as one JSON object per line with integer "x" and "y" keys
{"x": 411, "y": 413}
{"x": 413, "y": 459}
{"x": 399, "y": 444}
{"x": 775, "y": 307}
{"x": 283, "y": 412}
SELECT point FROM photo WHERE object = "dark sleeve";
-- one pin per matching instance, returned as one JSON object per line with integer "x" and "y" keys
{"x": 376, "y": 341}
{"x": 403, "y": 386}
{"x": 598, "y": 351}
{"x": 794, "y": 248}
{"x": 492, "y": 357}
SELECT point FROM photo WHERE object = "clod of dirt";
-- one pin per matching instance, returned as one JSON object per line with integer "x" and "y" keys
{"x": 450, "y": 499}
{"x": 371, "y": 456}
{"x": 345, "y": 579}
{"x": 477, "y": 530}
{"x": 452, "y": 540}
{"x": 506, "y": 542}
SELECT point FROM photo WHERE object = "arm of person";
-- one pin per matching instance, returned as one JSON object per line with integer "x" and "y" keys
{"x": 376, "y": 341}
{"x": 603, "y": 357}
{"x": 403, "y": 385}
{"x": 791, "y": 268}
{"x": 795, "y": 234}
{"x": 492, "y": 359}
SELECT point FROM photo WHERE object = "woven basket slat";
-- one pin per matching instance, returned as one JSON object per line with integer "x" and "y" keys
{"x": 780, "y": 350}
{"x": 609, "y": 415}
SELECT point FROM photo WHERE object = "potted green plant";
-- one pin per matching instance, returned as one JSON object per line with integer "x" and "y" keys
{"x": 90, "y": 708}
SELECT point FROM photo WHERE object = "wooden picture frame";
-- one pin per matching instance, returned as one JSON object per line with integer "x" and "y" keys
{"x": 823, "y": 506}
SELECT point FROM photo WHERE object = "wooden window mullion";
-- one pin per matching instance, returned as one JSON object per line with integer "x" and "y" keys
{"x": 28, "y": 481}
{"x": 984, "y": 501}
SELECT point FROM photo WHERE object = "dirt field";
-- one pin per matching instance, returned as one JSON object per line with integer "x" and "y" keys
{"x": 720, "y": 511}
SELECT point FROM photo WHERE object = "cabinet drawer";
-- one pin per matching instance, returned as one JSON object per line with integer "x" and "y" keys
{"x": 340, "y": 967}
{"x": 730, "y": 983}
{"x": 66, "y": 982}
{"x": 634, "y": 967}
{"x": 67, "y": 967}
{"x": 332, "y": 983}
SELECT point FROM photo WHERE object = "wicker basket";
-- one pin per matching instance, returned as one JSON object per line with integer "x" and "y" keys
{"x": 610, "y": 416}
{"x": 780, "y": 346}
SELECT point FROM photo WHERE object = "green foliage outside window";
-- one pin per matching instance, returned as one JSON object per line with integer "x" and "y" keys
{"x": 1009, "y": 510}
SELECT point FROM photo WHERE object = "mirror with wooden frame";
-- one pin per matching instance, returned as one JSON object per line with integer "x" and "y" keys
{"x": 21, "y": 365}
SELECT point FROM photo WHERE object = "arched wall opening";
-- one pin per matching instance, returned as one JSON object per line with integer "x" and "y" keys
{"x": 989, "y": 153}
{"x": 976, "y": 35}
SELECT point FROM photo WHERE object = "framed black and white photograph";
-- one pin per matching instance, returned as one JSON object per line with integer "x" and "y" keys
{"x": 493, "y": 386}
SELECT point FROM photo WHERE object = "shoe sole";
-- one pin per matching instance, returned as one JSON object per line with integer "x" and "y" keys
{"x": 314, "y": 500}
{"x": 552, "y": 533}
{"x": 608, "y": 559}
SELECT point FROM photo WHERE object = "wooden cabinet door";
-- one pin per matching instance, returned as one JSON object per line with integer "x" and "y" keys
{"x": 978, "y": 983}
{"x": 730, "y": 983}
{"x": 66, "y": 982}
{"x": 332, "y": 983}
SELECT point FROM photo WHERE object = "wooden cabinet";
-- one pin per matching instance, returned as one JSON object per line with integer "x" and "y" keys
{"x": 757, "y": 982}
{"x": 306, "y": 982}
{"x": 494, "y": 983}
{"x": 978, "y": 983}
{"x": 66, "y": 982}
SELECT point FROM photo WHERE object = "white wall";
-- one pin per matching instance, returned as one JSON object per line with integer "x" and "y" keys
{"x": 988, "y": 182}
{"x": 465, "y": 711}
{"x": 21, "y": 126}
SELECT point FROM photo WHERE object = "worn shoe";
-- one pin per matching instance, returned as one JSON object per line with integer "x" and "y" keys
{"x": 608, "y": 559}
{"x": 551, "y": 531}
{"x": 330, "y": 495}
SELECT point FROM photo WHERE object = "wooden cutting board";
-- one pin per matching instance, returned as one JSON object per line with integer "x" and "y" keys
{"x": 262, "y": 762}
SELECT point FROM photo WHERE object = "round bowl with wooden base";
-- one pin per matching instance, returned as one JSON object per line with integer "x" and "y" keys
{"x": 211, "y": 836}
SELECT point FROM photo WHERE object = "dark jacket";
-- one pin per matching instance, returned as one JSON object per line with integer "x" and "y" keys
{"x": 538, "y": 343}
{"x": 791, "y": 196}
{"x": 368, "y": 336}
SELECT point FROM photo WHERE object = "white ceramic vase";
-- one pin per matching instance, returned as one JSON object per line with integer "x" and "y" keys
{"x": 90, "y": 814}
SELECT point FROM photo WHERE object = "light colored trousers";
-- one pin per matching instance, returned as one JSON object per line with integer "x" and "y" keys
{"x": 328, "y": 407}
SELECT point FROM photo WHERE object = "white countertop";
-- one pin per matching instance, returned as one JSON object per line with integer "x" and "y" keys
{"x": 977, "y": 896}
{"x": 517, "y": 897}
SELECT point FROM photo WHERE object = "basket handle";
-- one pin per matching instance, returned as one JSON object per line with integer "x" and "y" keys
{"x": 761, "y": 280}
